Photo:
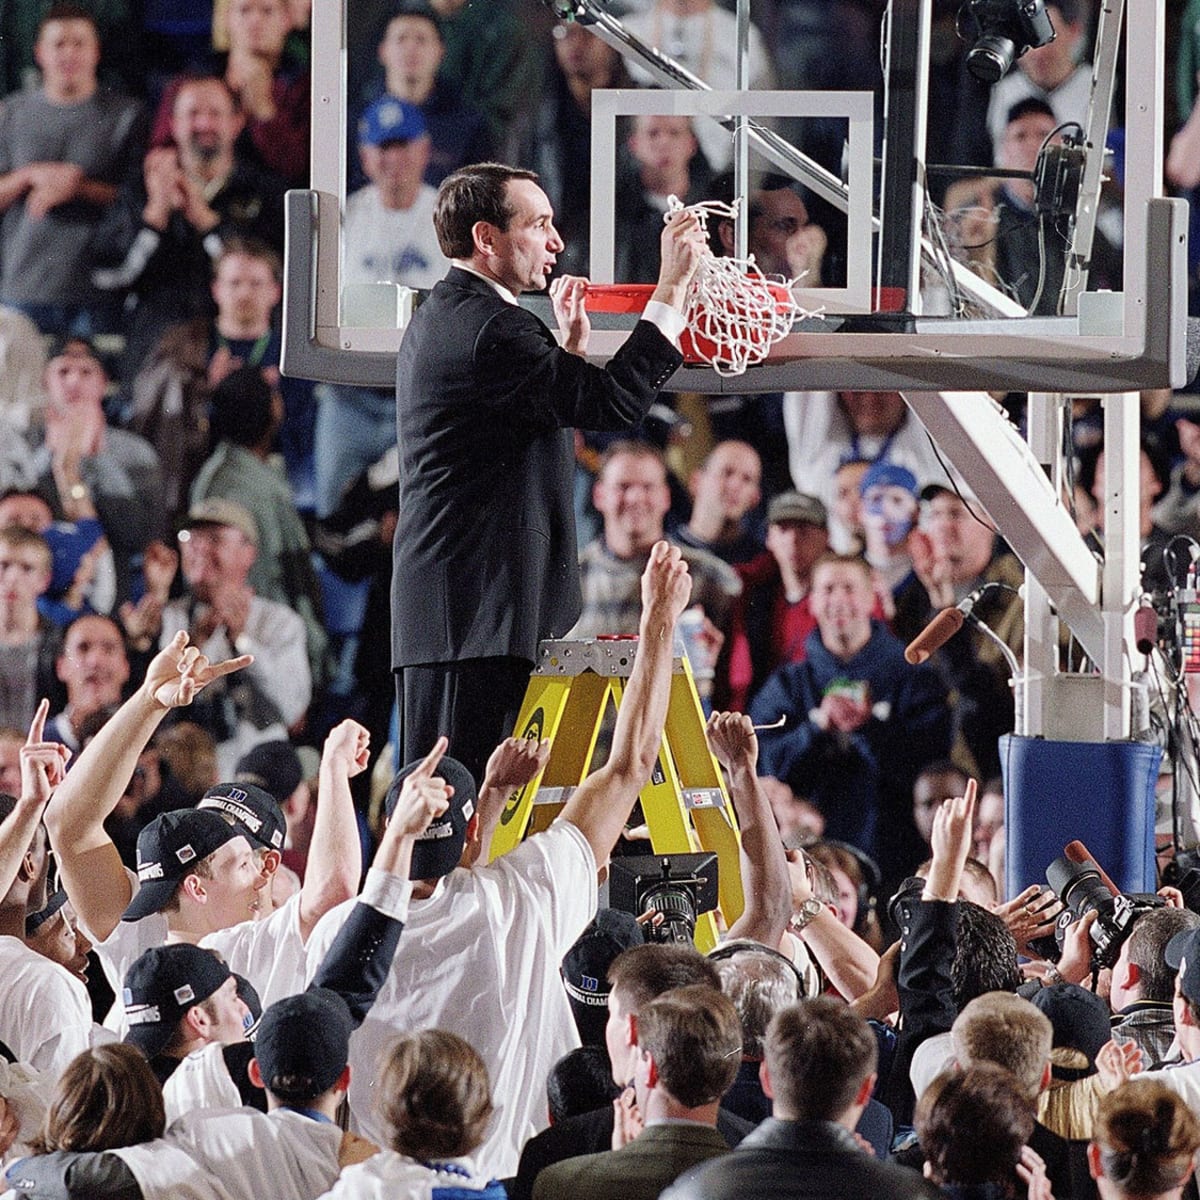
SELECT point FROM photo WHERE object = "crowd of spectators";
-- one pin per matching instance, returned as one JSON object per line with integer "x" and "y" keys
{"x": 195, "y": 684}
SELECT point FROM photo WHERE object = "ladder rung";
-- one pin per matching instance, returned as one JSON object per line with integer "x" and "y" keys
{"x": 553, "y": 795}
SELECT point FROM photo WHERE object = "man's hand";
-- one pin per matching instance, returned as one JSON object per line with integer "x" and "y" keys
{"x": 159, "y": 564}
{"x": 1075, "y": 965}
{"x": 1031, "y": 1170}
{"x": 515, "y": 763}
{"x": 52, "y": 184}
{"x": 231, "y": 607}
{"x": 666, "y": 584}
{"x": 844, "y": 713}
{"x": 1030, "y": 915}
{"x": 179, "y": 671}
{"x": 627, "y": 1119}
{"x": 163, "y": 180}
{"x": 951, "y": 842}
{"x": 682, "y": 246}
{"x": 731, "y": 738}
{"x": 195, "y": 207}
{"x": 568, "y": 294}
{"x": 43, "y": 764}
{"x": 347, "y": 748}
{"x": 423, "y": 796}
{"x": 805, "y": 251}
{"x": 1116, "y": 1062}
{"x": 933, "y": 572}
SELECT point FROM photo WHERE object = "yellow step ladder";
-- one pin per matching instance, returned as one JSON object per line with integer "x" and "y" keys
{"x": 686, "y": 806}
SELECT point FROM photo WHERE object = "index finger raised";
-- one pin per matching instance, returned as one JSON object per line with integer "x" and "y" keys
{"x": 37, "y": 727}
{"x": 429, "y": 763}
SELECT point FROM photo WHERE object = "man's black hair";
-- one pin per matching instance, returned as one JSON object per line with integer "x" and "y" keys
{"x": 985, "y": 955}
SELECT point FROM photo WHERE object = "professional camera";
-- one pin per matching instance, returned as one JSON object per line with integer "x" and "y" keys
{"x": 1001, "y": 31}
{"x": 677, "y": 886}
{"x": 1081, "y": 890}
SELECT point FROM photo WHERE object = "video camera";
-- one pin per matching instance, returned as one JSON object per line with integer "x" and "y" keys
{"x": 678, "y": 886}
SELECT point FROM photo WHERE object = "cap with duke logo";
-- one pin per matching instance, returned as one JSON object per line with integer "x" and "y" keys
{"x": 168, "y": 850}
{"x": 391, "y": 120}
{"x": 161, "y": 985}
{"x": 253, "y": 811}
{"x": 436, "y": 851}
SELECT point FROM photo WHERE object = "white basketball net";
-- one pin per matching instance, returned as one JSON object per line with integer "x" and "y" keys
{"x": 735, "y": 313}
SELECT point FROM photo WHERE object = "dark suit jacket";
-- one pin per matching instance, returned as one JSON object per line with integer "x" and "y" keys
{"x": 638, "y": 1171}
{"x": 590, "y": 1133}
{"x": 485, "y": 552}
{"x": 799, "y": 1160}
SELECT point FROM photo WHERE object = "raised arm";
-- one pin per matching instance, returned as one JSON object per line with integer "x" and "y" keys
{"x": 601, "y": 805}
{"x": 90, "y": 866}
{"x": 335, "y": 852}
{"x": 763, "y": 865}
{"x": 848, "y": 962}
{"x": 42, "y": 767}
{"x": 357, "y": 962}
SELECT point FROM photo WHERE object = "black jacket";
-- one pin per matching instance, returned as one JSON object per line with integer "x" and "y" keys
{"x": 485, "y": 552}
{"x": 799, "y": 1160}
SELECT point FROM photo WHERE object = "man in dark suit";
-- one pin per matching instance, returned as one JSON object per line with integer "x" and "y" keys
{"x": 819, "y": 1072}
{"x": 638, "y": 977}
{"x": 485, "y": 551}
{"x": 689, "y": 1048}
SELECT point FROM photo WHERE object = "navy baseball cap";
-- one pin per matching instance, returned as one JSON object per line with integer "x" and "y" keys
{"x": 390, "y": 120}
{"x": 253, "y": 812}
{"x": 273, "y": 766}
{"x": 585, "y": 969}
{"x": 161, "y": 985}
{"x": 305, "y": 1040}
{"x": 437, "y": 851}
{"x": 168, "y": 850}
{"x": 1182, "y": 954}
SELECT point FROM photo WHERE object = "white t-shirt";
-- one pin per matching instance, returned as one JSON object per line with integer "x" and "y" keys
{"x": 45, "y": 1014}
{"x": 269, "y": 953}
{"x": 480, "y": 958}
{"x": 165, "y": 1171}
{"x": 281, "y": 1154}
{"x": 391, "y": 1176}
{"x": 384, "y": 245}
{"x": 820, "y": 439}
{"x": 201, "y": 1081}
{"x": 1184, "y": 1079}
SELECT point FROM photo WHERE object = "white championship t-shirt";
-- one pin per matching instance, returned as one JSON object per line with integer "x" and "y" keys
{"x": 282, "y": 1154}
{"x": 45, "y": 1014}
{"x": 391, "y": 1176}
{"x": 481, "y": 958}
{"x": 269, "y": 953}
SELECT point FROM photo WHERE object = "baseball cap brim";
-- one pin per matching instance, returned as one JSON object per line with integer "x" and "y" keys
{"x": 151, "y": 897}
{"x": 152, "y": 1038}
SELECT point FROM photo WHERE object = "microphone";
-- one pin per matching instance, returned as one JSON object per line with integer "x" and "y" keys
{"x": 938, "y": 632}
{"x": 1077, "y": 852}
{"x": 1145, "y": 629}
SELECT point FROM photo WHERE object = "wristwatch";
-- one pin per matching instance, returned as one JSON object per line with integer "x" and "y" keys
{"x": 809, "y": 910}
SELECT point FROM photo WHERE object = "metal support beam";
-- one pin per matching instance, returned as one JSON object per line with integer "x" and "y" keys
{"x": 975, "y": 435}
{"x": 902, "y": 185}
{"x": 1122, "y": 554}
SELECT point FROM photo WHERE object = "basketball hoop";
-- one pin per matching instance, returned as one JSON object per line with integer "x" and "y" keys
{"x": 734, "y": 312}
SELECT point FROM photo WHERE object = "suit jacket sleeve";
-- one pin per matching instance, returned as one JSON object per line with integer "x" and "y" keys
{"x": 545, "y": 387}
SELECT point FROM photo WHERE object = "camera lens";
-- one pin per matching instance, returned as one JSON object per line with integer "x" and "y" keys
{"x": 678, "y": 914}
{"x": 990, "y": 59}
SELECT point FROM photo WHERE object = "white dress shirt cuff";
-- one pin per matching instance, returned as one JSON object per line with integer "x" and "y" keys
{"x": 387, "y": 893}
{"x": 669, "y": 321}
